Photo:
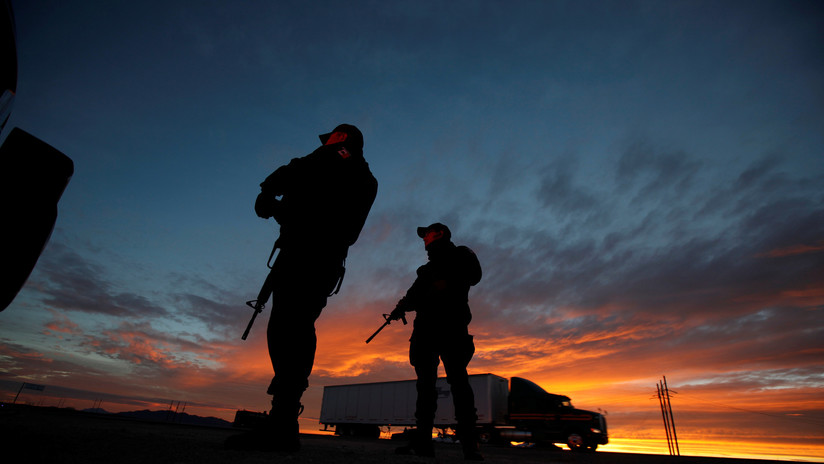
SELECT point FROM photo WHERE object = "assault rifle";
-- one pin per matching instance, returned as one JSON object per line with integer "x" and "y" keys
{"x": 388, "y": 321}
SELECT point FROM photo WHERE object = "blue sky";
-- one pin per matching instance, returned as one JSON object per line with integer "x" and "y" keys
{"x": 640, "y": 180}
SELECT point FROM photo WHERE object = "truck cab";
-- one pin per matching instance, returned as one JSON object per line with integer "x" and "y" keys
{"x": 551, "y": 418}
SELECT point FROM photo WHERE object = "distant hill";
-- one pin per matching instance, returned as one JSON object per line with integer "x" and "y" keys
{"x": 96, "y": 411}
{"x": 166, "y": 416}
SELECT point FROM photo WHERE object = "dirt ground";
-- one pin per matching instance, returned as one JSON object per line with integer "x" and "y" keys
{"x": 46, "y": 435}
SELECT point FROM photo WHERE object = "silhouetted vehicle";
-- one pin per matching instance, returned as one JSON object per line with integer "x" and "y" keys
{"x": 524, "y": 412}
{"x": 32, "y": 179}
{"x": 250, "y": 419}
{"x": 8, "y": 62}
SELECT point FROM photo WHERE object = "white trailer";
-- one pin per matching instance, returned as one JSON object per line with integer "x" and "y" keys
{"x": 351, "y": 407}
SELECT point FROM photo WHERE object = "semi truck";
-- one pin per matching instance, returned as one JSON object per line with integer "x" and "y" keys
{"x": 517, "y": 410}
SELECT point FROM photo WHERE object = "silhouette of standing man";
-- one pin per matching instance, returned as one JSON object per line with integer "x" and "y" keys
{"x": 325, "y": 198}
{"x": 439, "y": 296}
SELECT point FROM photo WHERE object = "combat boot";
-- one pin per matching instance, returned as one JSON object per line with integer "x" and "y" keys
{"x": 279, "y": 432}
{"x": 286, "y": 436}
{"x": 420, "y": 444}
{"x": 472, "y": 451}
{"x": 468, "y": 437}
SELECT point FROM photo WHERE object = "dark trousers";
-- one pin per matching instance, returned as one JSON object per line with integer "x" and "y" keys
{"x": 302, "y": 283}
{"x": 425, "y": 354}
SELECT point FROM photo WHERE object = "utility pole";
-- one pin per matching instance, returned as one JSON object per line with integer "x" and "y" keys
{"x": 170, "y": 413}
{"x": 659, "y": 388}
{"x": 669, "y": 420}
{"x": 98, "y": 404}
{"x": 30, "y": 386}
{"x": 672, "y": 419}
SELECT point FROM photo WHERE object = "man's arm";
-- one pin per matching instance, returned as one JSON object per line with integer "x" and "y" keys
{"x": 284, "y": 177}
{"x": 411, "y": 300}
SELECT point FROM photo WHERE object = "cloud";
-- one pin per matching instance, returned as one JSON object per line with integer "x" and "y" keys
{"x": 17, "y": 358}
{"x": 61, "y": 324}
{"x": 655, "y": 174}
{"x": 795, "y": 250}
{"x": 558, "y": 192}
{"x": 666, "y": 265}
{"x": 71, "y": 282}
{"x": 218, "y": 318}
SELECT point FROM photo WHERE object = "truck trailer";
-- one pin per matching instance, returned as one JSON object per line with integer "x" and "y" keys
{"x": 516, "y": 410}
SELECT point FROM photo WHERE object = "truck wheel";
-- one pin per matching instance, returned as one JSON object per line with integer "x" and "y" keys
{"x": 358, "y": 430}
{"x": 484, "y": 436}
{"x": 369, "y": 431}
{"x": 575, "y": 442}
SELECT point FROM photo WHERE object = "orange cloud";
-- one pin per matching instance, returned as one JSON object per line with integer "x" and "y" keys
{"x": 61, "y": 324}
{"x": 795, "y": 250}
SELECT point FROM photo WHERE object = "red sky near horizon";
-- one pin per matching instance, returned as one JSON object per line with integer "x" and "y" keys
{"x": 721, "y": 407}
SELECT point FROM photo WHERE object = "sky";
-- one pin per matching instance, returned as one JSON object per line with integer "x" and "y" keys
{"x": 641, "y": 181}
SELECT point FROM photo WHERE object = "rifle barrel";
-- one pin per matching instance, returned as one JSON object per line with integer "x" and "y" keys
{"x": 249, "y": 326}
{"x": 377, "y": 331}
{"x": 258, "y": 307}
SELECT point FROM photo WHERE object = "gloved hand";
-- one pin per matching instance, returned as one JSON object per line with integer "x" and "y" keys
{"x": 267, "y": 205}
{"x": 397, "y": 313}
{"x": 400, "y": 310}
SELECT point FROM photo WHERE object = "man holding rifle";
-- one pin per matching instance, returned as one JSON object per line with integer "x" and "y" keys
{"x": 439, "y": 296}
{"x": 321, "y": 202}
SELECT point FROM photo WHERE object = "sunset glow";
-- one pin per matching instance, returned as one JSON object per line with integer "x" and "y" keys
{"x": 641, "y": 182}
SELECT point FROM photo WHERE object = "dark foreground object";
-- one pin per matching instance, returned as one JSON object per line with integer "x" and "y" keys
{"x": 50, "y": 435}
{"x": 32, "y": 179}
